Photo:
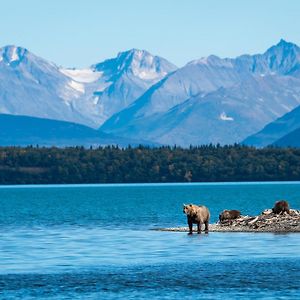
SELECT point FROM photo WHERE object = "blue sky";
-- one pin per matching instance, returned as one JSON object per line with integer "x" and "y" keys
{"x": 77, "y": 33}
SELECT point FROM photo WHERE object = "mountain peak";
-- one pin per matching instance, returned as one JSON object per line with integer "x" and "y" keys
{"x": 134, "y": 51}
{"x": 122, "y": 61}
{"x": 134, "y": 56}
{"x": 12, "y": 54}
{"x": 136, "y": 62}
{"x": 283, "y": 58}
{"x": 283, "y": 47}
{"x": 283, "y": 43}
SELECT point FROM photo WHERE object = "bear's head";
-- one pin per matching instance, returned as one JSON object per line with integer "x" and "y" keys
{"x": 188, "y": 209}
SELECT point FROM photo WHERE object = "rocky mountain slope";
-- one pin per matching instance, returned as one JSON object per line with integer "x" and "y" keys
{"x": 32, "y": 86}
{"x": 214, "y": 100}
{"x": 138, "y": 96}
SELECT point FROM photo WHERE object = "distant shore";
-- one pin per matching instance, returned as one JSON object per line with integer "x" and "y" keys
{"x": 165, "y": 164}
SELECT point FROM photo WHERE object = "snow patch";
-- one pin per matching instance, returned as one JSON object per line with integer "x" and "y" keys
{"x": 83, "y": 75}
{"x": 149, "y": 74}
{"x": 224, "y": 117}
{"x": 200, "y": 61}
{"x": 102, "y": 86}
{"x": 96, "y": 100}
{"x": 275, "y": 113}
{"x": 139, "y": 54}
{"x": 286, "y": 107}
{"x": 14, "y": 54}
{"x": 144, "y": 66}
{"x": 77, "y": 86}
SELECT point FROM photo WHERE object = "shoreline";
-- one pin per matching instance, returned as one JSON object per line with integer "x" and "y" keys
{"x": 226, "y": 229}
{"x": 132, "y": 184}
{"x": 267, "y": 221}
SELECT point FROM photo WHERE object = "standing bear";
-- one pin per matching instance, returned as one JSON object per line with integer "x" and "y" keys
{"x": 196, "y": 215}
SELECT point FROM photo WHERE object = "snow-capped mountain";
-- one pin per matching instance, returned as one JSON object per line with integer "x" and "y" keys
{"x": 32, "y": 86}
{"x": 29, "y": 85}
{"x": 214, "y": 100}
{"x": 140, "y": 97}
{"x": 118, "y": 82}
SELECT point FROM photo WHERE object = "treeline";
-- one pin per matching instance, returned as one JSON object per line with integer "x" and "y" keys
{"x": 34, "y": 165}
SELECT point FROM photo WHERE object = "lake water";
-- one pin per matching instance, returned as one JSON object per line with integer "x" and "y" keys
{"x": 96, "y": 242}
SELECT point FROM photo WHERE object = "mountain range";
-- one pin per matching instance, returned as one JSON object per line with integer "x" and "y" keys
{"x": 214, "y": 100}
{"x": 32, "y": 86}
{"x": 138, "y": 97}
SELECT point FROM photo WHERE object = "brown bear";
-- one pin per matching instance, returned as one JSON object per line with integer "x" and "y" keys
{"x": 280, "y": 207}
{"x": 196, "y": 215}
{"x": 229, "y": 215}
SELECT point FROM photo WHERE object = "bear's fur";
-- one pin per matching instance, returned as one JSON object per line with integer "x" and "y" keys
{"x": 280, "y": 207}
{"x": 229, "y": 215}
{"x": 196, "y": 215}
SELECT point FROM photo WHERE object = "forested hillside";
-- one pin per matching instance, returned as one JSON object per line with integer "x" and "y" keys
{"x": 34, "y": 165}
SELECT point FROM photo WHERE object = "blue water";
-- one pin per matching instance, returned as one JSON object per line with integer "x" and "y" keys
{"x": 96, "y": 242}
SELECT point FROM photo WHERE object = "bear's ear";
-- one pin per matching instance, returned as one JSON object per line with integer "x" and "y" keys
{"x": 190, "y": 205}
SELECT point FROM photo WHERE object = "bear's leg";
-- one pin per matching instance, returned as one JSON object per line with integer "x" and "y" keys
{"x": 206, "y": 226}
{"x": 199, "y": 227}
{"x": 191, "y": 227}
